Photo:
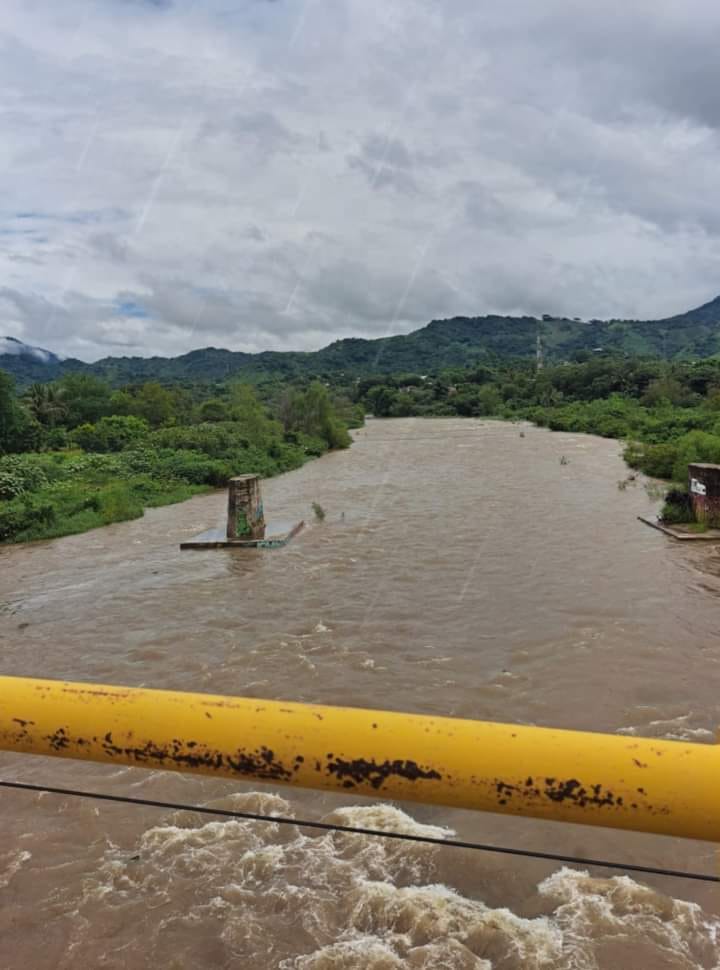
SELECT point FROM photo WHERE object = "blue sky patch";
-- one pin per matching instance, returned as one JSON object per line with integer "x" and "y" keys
{"x": 128, "y": 308}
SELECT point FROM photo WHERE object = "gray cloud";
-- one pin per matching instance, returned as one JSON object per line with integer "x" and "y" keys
{"x": 386, "y": 162}
{"x": 279, "y": 174}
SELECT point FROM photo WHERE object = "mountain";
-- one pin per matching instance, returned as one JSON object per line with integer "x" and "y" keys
{"x": 442, "y": 343}
{"x": 28, "y": 363}
{"x": 12, "y": 347}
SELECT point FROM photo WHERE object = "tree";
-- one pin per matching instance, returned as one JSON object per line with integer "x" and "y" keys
{"x": 380, "y": 400}
{"x": 86, "y": 398}
{"x": 213, "y": 410}
{"x": 19, "y": 431}
{"x": 111, "y": 433}
{"x": 46, "y": 403}
{"x": 154, "y": 403}
{"x": 121, "y": 402}
{"x": 311, "y": 412}
{"x": 489, "y": 400}
{"x": 664, "y": 389}
{"x": 245, "y": 408}
{"x": 404, "y": 405}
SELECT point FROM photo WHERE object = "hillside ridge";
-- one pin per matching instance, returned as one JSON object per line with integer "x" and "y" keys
{"x": 454, "y": 341}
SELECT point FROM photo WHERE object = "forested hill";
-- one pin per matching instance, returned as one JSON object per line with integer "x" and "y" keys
{"x": 442, "y": 343}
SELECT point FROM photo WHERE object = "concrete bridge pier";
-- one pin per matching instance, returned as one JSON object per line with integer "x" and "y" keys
{"x": 246, "y": 517}
{"x": 246, "y": 527}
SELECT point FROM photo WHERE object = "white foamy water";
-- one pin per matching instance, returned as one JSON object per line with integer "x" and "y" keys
{"x": 235, "y": 893}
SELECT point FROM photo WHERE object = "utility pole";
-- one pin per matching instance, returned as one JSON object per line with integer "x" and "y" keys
{"x": 539, "y": 351}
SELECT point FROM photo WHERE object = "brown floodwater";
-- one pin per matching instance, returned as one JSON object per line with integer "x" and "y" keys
{"x": 462, "y": 569}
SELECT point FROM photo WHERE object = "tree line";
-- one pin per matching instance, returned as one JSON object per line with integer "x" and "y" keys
{"x": 77, "y": 453}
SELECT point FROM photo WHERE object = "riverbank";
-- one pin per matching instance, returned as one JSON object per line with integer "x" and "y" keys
{"x": 53, "y": 494}
{"x": 77, "y": 455}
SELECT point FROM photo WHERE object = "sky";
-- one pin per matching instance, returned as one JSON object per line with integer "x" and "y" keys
{"x": 278, "y": 174}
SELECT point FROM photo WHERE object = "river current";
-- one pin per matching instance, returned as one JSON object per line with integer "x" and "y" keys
{"x": 469, "y": 568}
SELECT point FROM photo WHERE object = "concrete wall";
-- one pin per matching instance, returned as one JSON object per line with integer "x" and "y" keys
{"x": 704, "y": 487}
{"x": 246, "y": 518}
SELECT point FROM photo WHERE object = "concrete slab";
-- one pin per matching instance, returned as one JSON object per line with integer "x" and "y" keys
{"x": 277, "y": 533}
{"x": 678, "y": 532}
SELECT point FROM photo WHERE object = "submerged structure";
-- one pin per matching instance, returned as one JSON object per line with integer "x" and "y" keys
{"x": 704, "y": 489}
{"x": 700, "y": 506}
{"x": 246, "y": 526}
{"x": 246, "y": 516}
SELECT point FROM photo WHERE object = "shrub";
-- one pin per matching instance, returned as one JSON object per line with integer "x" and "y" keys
{"x": 677, "y": 507}
{"x": 190, "y": 466}
{"x": 95, "y": 468}
{"x": 21, "y": 515}
{"x": 312, "y": 445}
{"x": 143, "y": 461}
{"x": 118, "y": 503}
{"x": 19, "y": 475}
{"x": 692, "y": 447}
{"x": 657, "y": 461}
{"x": 56, "y": 439}
{"x": 213, "y": 410}
{"x": 213, "y": 439}
{"x": 111, "y": 434}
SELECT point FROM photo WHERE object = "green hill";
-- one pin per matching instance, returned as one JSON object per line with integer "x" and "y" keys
{"x": 442, "y": 343}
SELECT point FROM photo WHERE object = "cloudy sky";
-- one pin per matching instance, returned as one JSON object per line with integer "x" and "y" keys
{"x": 275, "y": 174}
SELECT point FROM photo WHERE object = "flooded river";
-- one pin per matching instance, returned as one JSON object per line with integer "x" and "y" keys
{"x": 462, "y": 569}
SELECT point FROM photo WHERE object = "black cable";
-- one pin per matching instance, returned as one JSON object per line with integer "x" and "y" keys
{"x": 378, "y": 833}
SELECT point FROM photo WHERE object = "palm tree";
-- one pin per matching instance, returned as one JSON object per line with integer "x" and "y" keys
{"x": 45, "y": 402}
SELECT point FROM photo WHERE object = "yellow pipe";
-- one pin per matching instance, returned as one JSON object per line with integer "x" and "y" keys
{"x": 668, "y": 787}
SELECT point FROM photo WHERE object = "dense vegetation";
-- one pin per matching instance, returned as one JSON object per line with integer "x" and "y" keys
{"x": 76, "y": 454}
{"x": 459, "y": 341}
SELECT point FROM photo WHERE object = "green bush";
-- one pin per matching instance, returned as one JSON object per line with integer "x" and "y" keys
{"x": 215, "y": 439}
{"x": 141, "y": 460}
{"x": 213, "y": 410}
{"x": 657, "y": 461}
{"x": 693, "y": 447}
{"x": 19, "y": 475}
{"x": 677, "y": 508}
{"x": 311, "y": 445}
{"x": 95, "y": 468}
{"x": 118, "y": 503}
{"x": 24, "y": 514}
{"x": 56, "y": 439}
{"x": 189, "y": 466}
{"x": 111, "y": 434}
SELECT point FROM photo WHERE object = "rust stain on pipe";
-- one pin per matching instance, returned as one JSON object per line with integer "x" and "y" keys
{"x": 667, "y": 787}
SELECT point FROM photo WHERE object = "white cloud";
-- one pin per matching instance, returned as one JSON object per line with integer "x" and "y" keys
{"x": 278, "y": 174}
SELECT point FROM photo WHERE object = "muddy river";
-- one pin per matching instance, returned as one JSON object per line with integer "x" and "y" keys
{"x": 461, "y": 569}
